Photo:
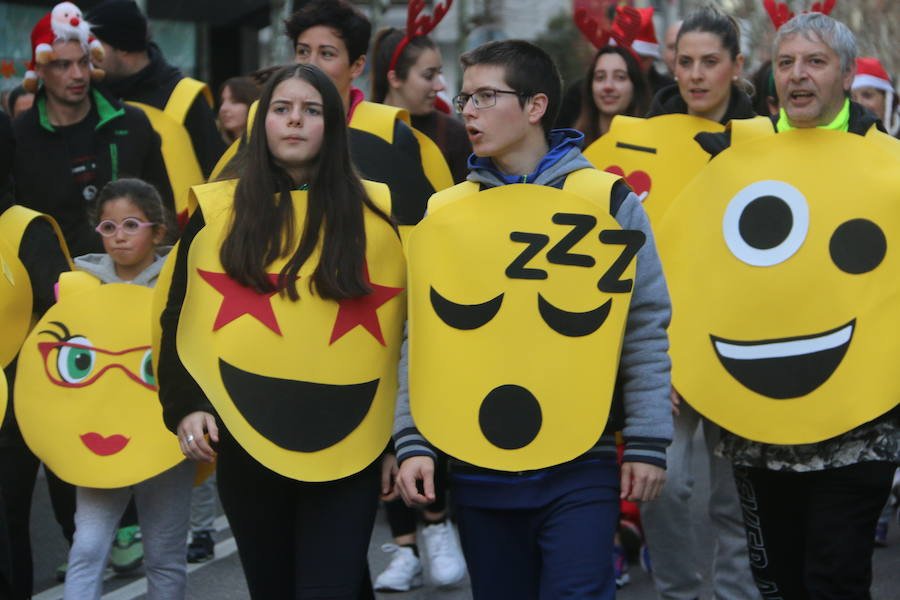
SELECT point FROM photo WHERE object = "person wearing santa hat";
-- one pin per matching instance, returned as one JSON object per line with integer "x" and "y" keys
{"x": 75, "y": 139}
{"x": 872, "y": 87}
{"x": 647, "y": 48}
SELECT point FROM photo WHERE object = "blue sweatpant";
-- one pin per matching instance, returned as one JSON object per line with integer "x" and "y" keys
{"x": 562, "y": 550}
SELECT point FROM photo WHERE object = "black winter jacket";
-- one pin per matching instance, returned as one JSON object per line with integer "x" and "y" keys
{"x": 119, "y": 142}
{"x": 153, "y": 85}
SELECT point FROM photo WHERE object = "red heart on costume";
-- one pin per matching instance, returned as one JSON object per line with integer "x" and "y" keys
{"x": 639, "y": 181}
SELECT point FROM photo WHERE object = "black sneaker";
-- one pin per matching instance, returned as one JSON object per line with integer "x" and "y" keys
{"x": 202, "y": 548}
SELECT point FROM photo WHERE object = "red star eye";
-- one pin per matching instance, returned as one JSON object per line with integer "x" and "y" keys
{"x": 363, "y": 310}
{"x": 238, "y": 300}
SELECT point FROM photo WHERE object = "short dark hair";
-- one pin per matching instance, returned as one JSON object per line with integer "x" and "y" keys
{"x": 528, "y": 70}
{"x": 709, "y": 19}
{"x": 386, "y": 42}
{"x": 352, "y": 26}
{"x": 140, "y": 193}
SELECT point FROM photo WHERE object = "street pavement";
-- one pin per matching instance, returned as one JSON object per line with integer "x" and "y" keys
{"x": 222, "y": 579}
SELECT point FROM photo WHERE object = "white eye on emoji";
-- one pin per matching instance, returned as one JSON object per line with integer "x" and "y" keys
{"x": 766, "y": 223}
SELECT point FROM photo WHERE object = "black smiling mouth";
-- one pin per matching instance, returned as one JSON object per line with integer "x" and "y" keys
{"x": 300, "y": 416}
{"x": 786, "y": 367}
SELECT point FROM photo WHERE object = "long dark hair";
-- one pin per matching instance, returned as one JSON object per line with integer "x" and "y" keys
{"x": 262, "y": 227}
{"x": 588, "y": 121}
{"x": 386, "y": 41}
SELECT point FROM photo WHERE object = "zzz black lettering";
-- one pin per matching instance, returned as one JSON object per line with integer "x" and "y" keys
{"x": 633, "y": 240}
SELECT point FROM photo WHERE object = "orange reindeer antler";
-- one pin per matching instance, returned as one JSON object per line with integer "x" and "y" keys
{"x": 418, "y": 24}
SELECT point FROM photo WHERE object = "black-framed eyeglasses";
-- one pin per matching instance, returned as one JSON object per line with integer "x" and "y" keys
{"x": 483, "y": 98}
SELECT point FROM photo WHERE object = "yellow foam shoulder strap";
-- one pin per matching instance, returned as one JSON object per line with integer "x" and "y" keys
{"x": 433, "y": 162}
{"x": 182, "y": 98}
{"x": 213, "y": 198}
{"x": 378, "y": 119}
{"x": 745, "y": 130}
{"x": 15, "y": 220}
{"x": 73, "y": 282}
{"x": 885, "y": 141}
{"x": 445, "y": 197}
{"x": 591, "y": 184}
{"x": 379, "y": 194}
{"x": 177, "y": 151}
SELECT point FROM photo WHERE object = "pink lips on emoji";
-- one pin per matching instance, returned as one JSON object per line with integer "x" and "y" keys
{"x": 104, "y": 446}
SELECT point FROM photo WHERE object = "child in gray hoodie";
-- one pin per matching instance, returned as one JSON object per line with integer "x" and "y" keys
{"x": 131, "y": 219}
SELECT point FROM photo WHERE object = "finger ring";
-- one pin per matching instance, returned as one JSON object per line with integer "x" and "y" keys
{"x": 190, "y": 438}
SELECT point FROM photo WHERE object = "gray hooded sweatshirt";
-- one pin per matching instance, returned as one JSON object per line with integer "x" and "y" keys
{"x": 644, "y": 366}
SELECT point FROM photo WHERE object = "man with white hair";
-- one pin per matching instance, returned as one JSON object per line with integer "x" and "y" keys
{"x": 810, "y": 509}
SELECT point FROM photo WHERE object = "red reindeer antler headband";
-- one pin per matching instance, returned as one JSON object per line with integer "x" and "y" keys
{"x": 418, "y": 24}
{"x": 780, "y": 14}
{"x": 624, "y": 28}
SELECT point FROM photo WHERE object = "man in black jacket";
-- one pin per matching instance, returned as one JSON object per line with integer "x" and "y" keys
{"x": 136, "y": 70}
{"x": 74, "y": 140}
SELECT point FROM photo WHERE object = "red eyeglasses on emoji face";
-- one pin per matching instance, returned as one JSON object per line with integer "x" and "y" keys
{"x": 87, "y": 392}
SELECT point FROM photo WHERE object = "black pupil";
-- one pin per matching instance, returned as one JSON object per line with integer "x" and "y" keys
{"x": 148, "y": 369}
{"x": 82, "y": 361}
{"x": 766, "y": 222}
{"x": 857, "y": 246}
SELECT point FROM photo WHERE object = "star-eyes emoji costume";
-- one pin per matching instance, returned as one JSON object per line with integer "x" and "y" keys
{"x": 778, "y": 332}
{"x": 306, "y": 387}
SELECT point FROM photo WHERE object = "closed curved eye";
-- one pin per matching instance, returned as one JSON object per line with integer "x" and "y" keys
{"x": 573, "y": 324}
{"x": 465, "y": 316}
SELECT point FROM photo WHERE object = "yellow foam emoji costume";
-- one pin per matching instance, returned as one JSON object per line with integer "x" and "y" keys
{"x": 657, "y": 157}
{"x": 783, "y": 280}
{"x": 86, "y": 394}
{"x": 15, "y": 285}
{"x": 519, "y": 297}
{"x": 306, "y": 387}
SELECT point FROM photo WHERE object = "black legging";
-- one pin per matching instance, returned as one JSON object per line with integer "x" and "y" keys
{"x": 298, "y": 540}
{"x": 402, "y": 518}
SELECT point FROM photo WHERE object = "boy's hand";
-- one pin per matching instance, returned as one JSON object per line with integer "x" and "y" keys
{"x": 641, "y": 482}
{"x": 412, "y": 471}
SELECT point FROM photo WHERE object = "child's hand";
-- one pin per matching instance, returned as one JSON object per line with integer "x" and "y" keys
{"x": 641, "y": 482}
{"x": 191, "y": 438}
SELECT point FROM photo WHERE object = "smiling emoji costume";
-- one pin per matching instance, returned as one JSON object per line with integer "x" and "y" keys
{"x": 656, "y": 157}
{"x": 307, "y": 387}
{"x": 519, "y": 297}
{"x": 87, "y": 403}
{"x": 783, "y": 280}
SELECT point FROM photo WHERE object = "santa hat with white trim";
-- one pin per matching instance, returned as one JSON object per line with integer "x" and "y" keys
{"x": 63, "y": 23}
{"x": 646, "y": 43}
{"x": 871, "y": 73}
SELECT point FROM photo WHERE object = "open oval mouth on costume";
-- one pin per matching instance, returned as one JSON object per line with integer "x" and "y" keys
{"x": 300, "y": 416}
{"x": 786, "y": 367}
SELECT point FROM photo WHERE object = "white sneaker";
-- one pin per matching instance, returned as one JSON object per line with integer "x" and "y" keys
{"x": 403, "y": 573}
{"x": 445, "y": 559}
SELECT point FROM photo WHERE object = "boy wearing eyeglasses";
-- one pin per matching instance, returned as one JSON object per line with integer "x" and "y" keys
{"x": 535, "y": 479}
